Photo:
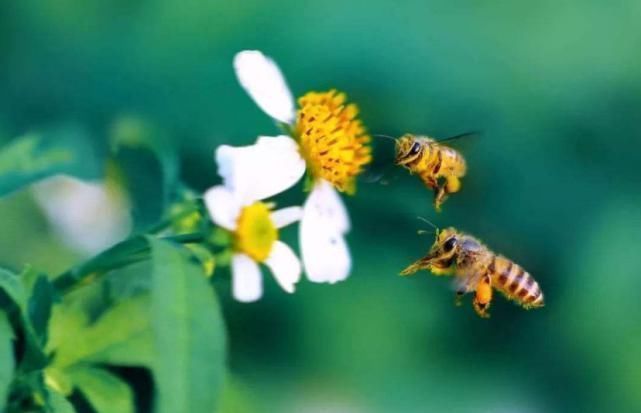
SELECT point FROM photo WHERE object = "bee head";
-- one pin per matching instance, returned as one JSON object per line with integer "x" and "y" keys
{"x": 445, "y": 246}
{"x": 441, "y": 255}
{"x": 408, "y": 148}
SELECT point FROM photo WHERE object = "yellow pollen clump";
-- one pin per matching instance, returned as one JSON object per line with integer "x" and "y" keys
{"x": 332, "y": 139}
{"x": 255, "y": 233}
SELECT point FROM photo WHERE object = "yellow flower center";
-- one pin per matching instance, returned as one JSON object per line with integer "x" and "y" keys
{"x": 256, "y": 233}
{"x": 332, "y": 139}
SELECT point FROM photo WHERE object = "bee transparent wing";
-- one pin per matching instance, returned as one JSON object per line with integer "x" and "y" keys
{"x": 466, "y": 282}
{"x": 468, "y": 275}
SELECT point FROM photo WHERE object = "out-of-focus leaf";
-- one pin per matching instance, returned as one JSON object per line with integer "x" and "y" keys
{"x": 57, "y": 403}
{"x": 106, "y": 392}
{"x": 148, "y": 167}
{"x": 119, "y": 255}
{"x": 7, "y": 362}
{"x": 236, "y": 398}
{"x": 121, "y": 336}
{"x": 35, "y": 314}
{"x": 16, "y": 291}
{"x": 129, "y": 281}
{"x": 39, "y": 307}
{"x": 58, "y": 380}
{"x": 41, "y": 154}
{"x": 12, "y": 287}
{"x": 189, "y": 334}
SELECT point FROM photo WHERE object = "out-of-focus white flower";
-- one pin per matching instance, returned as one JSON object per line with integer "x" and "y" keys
{"x": 328, "y": 140}
{"x": 88, "y": 216}
{"x": 236, "y": 207}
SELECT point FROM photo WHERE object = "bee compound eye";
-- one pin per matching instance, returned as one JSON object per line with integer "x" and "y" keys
{"x": 449, "y": 244}
{"x": 415, "y": 148}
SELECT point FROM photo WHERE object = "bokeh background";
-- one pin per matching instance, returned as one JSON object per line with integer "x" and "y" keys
{"x": 554, "y": 183}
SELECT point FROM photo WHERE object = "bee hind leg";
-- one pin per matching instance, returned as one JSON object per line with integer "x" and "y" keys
{"x": 483, "y": 297}
{"x": 462, "y": 287}
{"x": 440, "y": 195}
{"x": 452, "y": 184}
{"x": 458, "y": 298}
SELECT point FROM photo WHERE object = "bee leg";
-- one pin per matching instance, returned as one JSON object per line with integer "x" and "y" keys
{"x": 458, "y": 299}
{"x": 422, "y": 264}
{"x": 452, "y": 184}
{"x": 463, "y": 286}
{"x": 440, "y": 194}
{"x": 483, "y": 297}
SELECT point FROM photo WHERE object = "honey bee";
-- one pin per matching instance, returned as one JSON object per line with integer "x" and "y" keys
{"x": 439, "y": 167}
{"x": 478, "y": 269}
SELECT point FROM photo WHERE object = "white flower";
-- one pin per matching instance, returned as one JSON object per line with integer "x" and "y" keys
{"x": 264, "y": 82}
{"x": 328, "y": 141}
{"x": 236, "y": 207}
{"x": 88, "y": 216}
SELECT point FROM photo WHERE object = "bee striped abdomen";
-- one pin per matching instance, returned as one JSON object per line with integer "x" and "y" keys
{"x": 516, "y": 283}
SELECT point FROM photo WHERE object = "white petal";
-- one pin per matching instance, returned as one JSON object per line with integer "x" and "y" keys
{"x": 285, "y": 266}
{"x": 223, "y": 207}
{"x": 263, "y": 81}
{"x": 286, "y": 216}
{"x": 247, "y": 282}
{"x": 323, "y": 248}
{"x": 330, "y": 205}
{"x": 262, "y": 170}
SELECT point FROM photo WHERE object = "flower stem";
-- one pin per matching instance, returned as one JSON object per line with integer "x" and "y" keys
{"x": 127, "y": 252}
{"x": 167, "y": 222}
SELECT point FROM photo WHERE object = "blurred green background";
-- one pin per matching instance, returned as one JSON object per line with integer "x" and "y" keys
{"x": 553, "y": 183}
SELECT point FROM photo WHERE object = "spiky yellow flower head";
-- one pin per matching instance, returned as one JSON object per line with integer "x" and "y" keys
{"x": 332, "y": 139}
{"x": 256, "y": 232}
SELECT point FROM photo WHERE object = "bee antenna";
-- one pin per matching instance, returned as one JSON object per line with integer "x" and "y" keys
{"x": 428, "y": 222}
{"x": 461, "y": 135}
{"x": 422, "y": 231}
{"x": 384, "y": 136}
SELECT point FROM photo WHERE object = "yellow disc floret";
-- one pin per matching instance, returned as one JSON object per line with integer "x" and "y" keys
{"x": 332, "y": 139}
{"x": 256, "y": 233}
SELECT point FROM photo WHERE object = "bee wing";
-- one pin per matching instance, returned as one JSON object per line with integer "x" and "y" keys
{"x": 468, "y": 278}
{"x": 465, "y": 283}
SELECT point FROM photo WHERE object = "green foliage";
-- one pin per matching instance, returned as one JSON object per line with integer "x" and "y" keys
{"x": 31, "y": 302}
{"x": 189, "y": 333}
{"x": 62, "y": 150}
{"x": 148, "y": 168}
{"x": 7, "y": 361}
{"x": 56, "y": 403}
{"x": 106, "y": 392}
{"x": 120, "y": 336}
{"x": 127, "y": 252}
{"x": 554, "y": 87}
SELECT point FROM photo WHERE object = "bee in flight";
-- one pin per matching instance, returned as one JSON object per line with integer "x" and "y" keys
{"x": 479, "y": 270}
{"x": 439, "y": 167}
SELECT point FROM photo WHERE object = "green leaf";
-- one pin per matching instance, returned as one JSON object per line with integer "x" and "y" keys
{"x": 124, "y": 253}
{"x": 12, "y": 287}
{"x": 121, "y": 336}
{"x": 7, "y": 362}
{"x": 16, "y": 291}
{"x": 189, "y": 334}
{"x": 57, "y": 403}
{"x": 148, "y": 168}
{"x": 106, "y": 392}
{"x": 63, "y": 150}
{"x": 39, "y": 307}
